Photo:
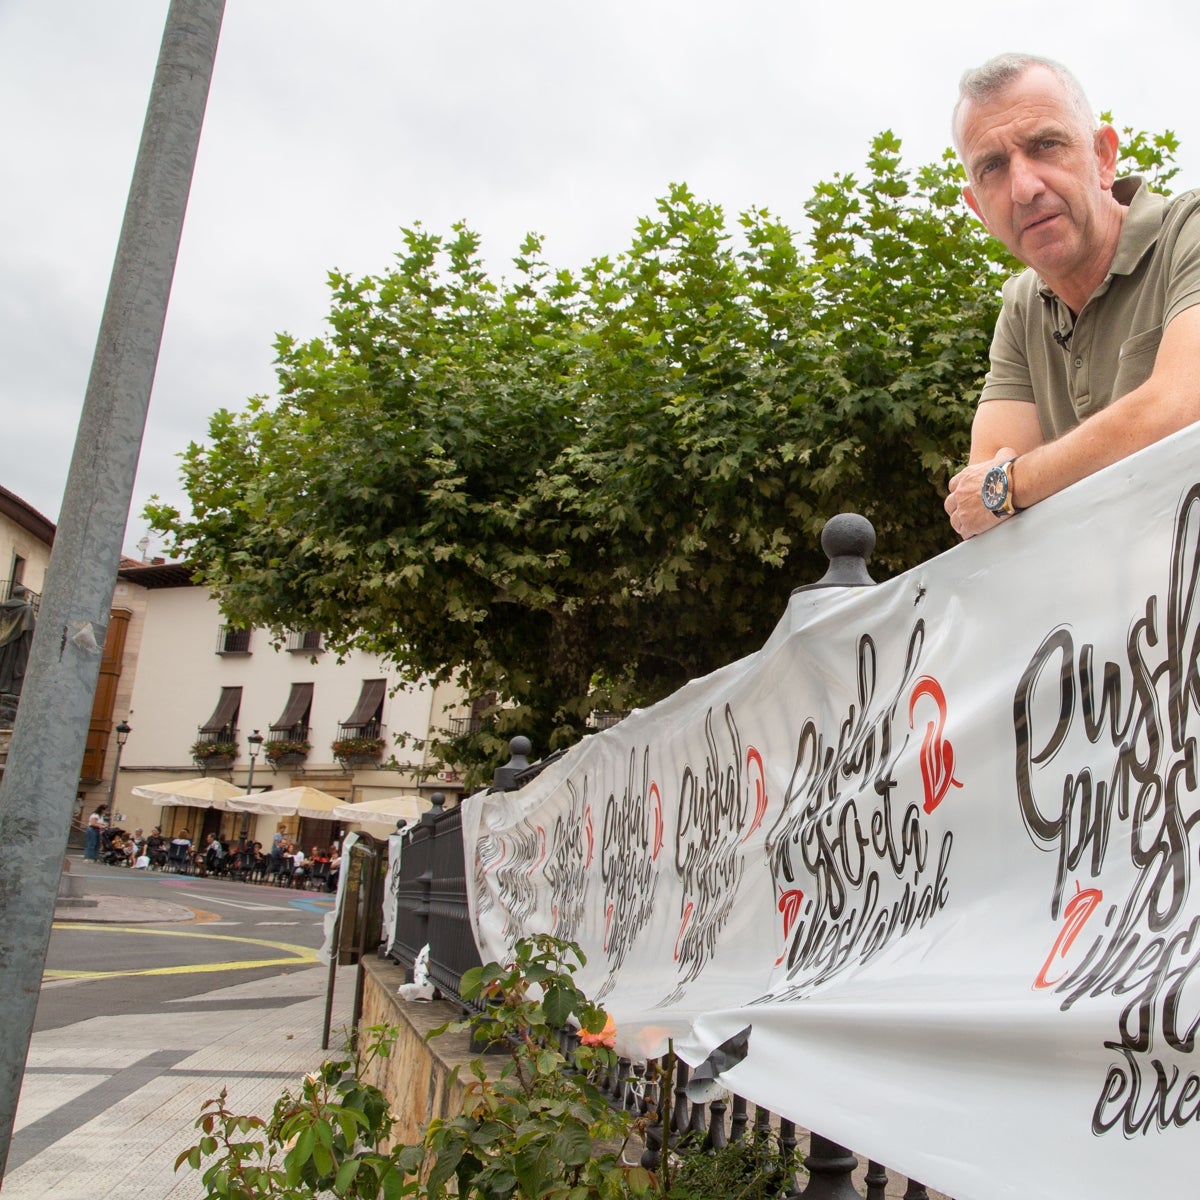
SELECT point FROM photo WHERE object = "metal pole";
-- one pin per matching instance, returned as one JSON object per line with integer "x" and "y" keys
{"x": 123, "y": 731}
{"x": 255, "y": 741}
{"x": 42, "y": 774}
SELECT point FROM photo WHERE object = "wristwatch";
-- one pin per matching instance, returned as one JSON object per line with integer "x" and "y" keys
{"x": 997, "y": 490}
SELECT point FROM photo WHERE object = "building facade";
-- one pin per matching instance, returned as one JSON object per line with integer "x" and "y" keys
{"x": 350, "y": 727}
{"x": 26, "y": 538}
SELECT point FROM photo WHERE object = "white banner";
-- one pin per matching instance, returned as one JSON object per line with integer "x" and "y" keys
{"x": 933, "y": 845}
{"x": 331, "y": 918}
{"x": 391, "y": 891}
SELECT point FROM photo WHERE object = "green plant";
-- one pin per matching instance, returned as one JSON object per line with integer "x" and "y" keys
{"x": 277, "y": 750}
{"x": 539, "y": 1128}
{"x": 206, "y": 750}
{"x": 755, "y": 1167}
{"x": 328, "y": 1139}
{"x": 355, "y": 747}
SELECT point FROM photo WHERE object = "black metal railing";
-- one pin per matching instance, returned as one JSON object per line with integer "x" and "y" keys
{"x": 233, "y": 641}
{"x": 293, "y": 733}
{"x": 304, "y": 641}
{"x": 12, "y": 589}
{"x": 657, "y": 1092}
{"x": 605, "y": 720}
{"x": 227, "y": 734}
{"x": 430, "y": 898}
{"x": 370, "y": 729}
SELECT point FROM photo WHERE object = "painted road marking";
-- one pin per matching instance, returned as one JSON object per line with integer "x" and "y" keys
{"x": 298, "y": 955}
{"x": 208, "y": 896}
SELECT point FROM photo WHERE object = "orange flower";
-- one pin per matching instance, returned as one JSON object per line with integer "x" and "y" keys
{"x": 606, "y": 1037}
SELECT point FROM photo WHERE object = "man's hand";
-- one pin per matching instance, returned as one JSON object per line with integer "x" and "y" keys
{"x": 964, "y": 505}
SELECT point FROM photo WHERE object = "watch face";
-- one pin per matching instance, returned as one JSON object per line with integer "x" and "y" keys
{"x": 995, "y": 489}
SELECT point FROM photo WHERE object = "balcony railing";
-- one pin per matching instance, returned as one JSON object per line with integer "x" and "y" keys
{"x": 605, "y": 720}
{"x": 233, "y": 641}
{"x": 6, "y": 593}
{"x": 371, "y": 729}
{"x": 304, "y": 641}
{"x": 295, "y": 733}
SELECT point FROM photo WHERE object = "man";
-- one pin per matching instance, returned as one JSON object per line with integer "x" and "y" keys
{"x": 1097, "y": 350}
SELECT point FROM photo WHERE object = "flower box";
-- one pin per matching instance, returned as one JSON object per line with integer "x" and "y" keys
{"x": 214, "y": 756}
{"x": 358, "y": 751}
{"x": 289, "y": 752}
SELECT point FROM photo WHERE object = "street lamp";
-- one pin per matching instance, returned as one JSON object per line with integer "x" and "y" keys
{"x": 255, "y": 740}
{"x": 122, "y": 731}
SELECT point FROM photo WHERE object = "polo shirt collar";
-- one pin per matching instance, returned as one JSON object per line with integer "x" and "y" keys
{"x": 1142, "y": 223}
{"x": 1139, "y": 232}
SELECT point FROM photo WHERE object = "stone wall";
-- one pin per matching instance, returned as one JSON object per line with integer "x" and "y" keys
{"x": 416, "y": 1076}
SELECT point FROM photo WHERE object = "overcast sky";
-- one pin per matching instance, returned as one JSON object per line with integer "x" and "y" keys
{"x": 333, "y": 123}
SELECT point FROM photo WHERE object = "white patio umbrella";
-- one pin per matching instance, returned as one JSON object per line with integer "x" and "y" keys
{"x": 288, "y": 802}
{"x": 196, "y": 792}
{"x": 385, "y": 811}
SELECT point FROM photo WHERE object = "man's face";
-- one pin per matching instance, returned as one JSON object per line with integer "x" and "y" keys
{"x": 1039, "y": 177}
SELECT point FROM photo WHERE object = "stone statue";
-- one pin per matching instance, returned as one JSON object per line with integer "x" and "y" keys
{"x": 16, "y": 636}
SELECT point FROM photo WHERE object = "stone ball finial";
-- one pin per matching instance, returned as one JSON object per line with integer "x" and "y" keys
{"x": 848, "y": 541}
{"x": 505, "y": 778}
{"x": 848, "y": 536}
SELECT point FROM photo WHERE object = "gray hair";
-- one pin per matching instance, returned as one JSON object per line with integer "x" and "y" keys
{"x": 980, "y": 84}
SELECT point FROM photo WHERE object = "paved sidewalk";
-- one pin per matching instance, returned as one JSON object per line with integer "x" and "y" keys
{"x": 108, "y": 1103}
{"x": 124, "y": 910}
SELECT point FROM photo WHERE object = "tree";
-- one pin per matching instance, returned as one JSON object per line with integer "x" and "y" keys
{"x": 580, "y": 489}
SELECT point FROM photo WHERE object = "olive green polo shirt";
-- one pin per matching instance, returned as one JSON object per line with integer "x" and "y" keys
{"x": 1111, "y": 345}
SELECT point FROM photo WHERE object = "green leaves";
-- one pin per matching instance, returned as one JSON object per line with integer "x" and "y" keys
{"x": 577, "y": 490}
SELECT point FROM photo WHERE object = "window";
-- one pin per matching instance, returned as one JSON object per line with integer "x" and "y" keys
{"x": 367, "y": 718}
{"x": 222, "y": 725}
{"x": 293, "y": 723}
{"x": 306, "y": 641}
{"x": 233, "y": 641}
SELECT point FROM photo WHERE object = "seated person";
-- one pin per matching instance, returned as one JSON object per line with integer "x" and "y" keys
{"x": 180, "y": 851}
{"x": 214, "y": 855}
{"x": 156, "y": 849}
{"x": 137, "y": 850}
{"x": 258, "y": 861}
{"x": 318, "y": 865}
{"x": 299, "y": 866}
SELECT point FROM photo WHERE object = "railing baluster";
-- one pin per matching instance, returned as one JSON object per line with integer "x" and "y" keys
{"x": 679, "y": 1116}
{"x": 830, "y": 1170}
{"x": 876, "y": 1180}
{"x": 787, "y": 1143}
{"x": 716, "y": 1139}
{"x": 739, "y": 1116}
